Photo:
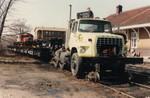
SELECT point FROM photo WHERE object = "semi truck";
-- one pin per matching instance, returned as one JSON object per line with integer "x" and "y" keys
{"x": 92, "y": 49}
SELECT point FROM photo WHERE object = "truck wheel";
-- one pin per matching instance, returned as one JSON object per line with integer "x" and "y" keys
{"x": 76, "y": 65}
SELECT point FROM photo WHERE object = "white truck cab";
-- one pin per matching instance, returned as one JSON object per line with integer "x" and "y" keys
{"x": 93, "y": 38}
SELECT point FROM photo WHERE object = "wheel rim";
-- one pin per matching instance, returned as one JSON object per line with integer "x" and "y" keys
{"x": 74, "y": 64}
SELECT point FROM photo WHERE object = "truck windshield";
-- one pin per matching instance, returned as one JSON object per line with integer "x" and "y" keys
{"x": 94, "y": 26}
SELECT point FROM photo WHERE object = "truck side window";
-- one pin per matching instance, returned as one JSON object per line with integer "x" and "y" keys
{"x": 74, "y": 29}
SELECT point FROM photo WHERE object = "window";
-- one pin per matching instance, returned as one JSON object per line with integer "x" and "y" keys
{"x": 133, "y": 40}
{"x": 50, "y": 32}
{"x": 74, "y": 29}
{"x": 94, "y": 26}
{"x": 39, "y": 34}
{"x": 46, "y": 32}
{"x": 53, "y": 33}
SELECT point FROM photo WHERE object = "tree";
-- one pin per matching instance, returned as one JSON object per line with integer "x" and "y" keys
{"x": 5, "y": 6}
{"x": 19, "y": 26}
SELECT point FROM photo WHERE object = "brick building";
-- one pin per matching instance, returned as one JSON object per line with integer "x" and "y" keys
{"x": 136, "y": 25}
{"x": 47, "y": 33}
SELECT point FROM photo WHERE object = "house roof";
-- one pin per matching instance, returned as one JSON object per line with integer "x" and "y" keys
{"x": 132, "y": 17}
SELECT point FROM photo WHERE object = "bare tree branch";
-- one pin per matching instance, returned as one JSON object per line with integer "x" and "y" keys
{"x": 19, "y": 26}
{"x": 4, "y": 17}
{"x": 1, "y": 3}
{"x": 5, "y": 6}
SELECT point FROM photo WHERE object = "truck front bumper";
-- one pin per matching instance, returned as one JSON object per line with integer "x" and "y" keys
{"x": 125, "y": 60}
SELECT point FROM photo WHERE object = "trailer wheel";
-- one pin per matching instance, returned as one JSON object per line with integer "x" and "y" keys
{"x": 76, "y": 65}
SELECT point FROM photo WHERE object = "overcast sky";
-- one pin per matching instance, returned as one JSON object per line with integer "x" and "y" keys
{"x": 55, "y": 13}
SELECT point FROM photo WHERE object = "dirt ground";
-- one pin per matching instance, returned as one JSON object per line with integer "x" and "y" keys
{"x": 24, "y": 77}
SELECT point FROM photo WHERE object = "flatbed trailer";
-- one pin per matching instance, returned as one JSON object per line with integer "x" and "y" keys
{"x": 34, "y": 52}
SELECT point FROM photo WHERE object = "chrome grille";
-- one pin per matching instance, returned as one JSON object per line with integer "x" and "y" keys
{"x": 117, "y": 42}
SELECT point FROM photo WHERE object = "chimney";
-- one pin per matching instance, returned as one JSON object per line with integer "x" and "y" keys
{"x": 118, "y": 9}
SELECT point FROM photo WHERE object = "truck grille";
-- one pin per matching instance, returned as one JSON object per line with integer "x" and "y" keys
{"x": 109, "y": 44}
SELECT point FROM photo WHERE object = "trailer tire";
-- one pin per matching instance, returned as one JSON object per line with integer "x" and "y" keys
{"x": 76, "y": 67}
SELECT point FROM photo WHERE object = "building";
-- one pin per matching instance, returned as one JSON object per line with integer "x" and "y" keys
{"x": 136, "y": 25}
{"x": 48, "y": 33}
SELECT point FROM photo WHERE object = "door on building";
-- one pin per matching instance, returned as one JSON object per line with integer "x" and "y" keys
{"x": 134, "y": 40}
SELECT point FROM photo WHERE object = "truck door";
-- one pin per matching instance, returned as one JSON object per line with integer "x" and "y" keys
{"x": 73, "y": 36}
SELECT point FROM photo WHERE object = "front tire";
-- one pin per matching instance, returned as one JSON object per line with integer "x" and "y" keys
{"x": 76, "y": 62}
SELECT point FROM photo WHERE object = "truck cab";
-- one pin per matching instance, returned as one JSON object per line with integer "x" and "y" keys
{"x": 93, "y": 38}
